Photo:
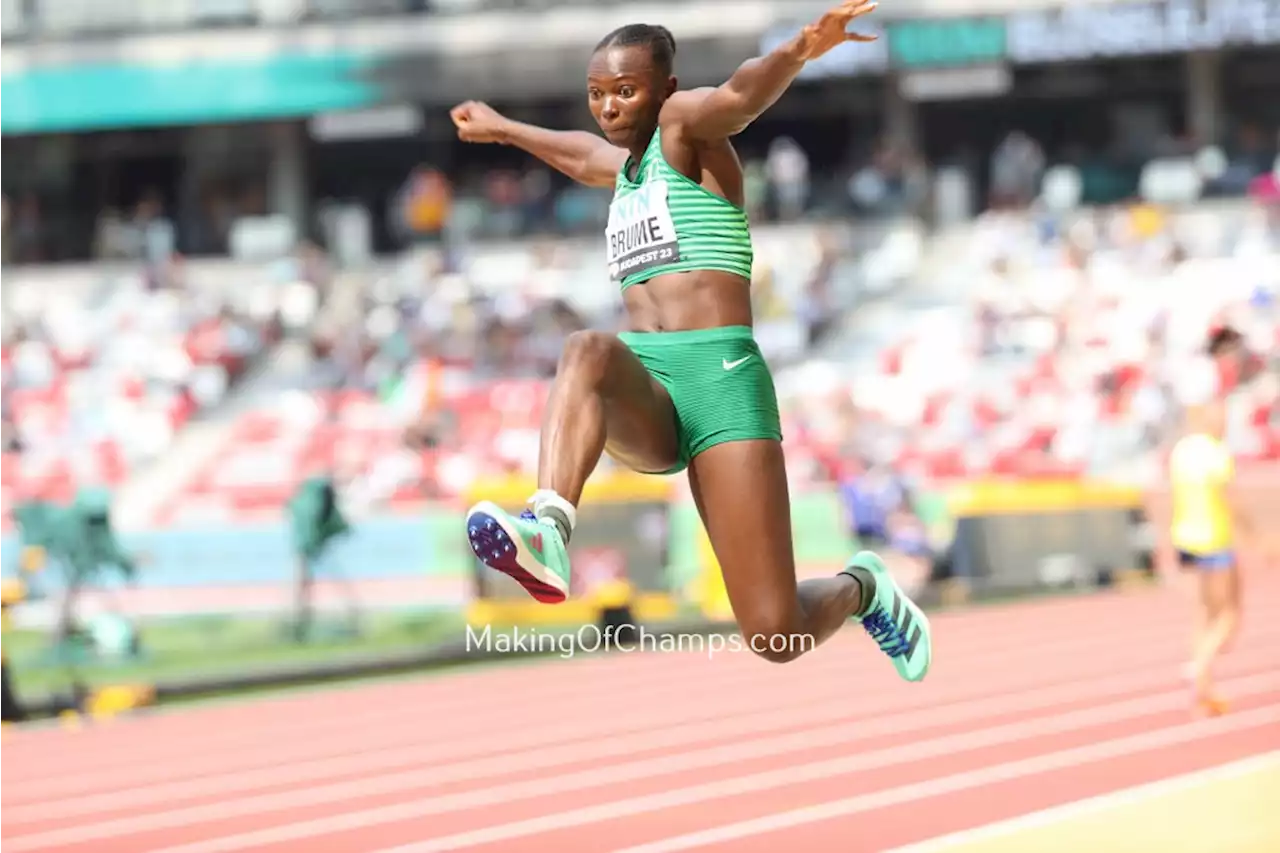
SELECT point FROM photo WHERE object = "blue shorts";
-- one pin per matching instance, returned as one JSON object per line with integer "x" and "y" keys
{"x": 1214, "y": 561}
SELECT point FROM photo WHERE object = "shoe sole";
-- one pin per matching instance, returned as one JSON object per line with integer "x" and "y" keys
{"x": 503, "y": 550}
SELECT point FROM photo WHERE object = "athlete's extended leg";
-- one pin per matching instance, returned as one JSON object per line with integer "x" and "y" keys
{"x": 741, "y": 491}
{"x": 603, "y": 398}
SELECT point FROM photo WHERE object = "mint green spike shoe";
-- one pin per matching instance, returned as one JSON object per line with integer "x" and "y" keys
{"x": 894, "y": 621}
{"x": 526, "y": 549}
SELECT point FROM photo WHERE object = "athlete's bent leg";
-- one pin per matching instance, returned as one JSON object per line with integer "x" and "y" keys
{"x": 602, "y": 399}
{"x": 740, "y": 488}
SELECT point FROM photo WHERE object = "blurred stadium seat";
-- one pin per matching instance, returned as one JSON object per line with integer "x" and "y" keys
{"x": 102, "y": 370}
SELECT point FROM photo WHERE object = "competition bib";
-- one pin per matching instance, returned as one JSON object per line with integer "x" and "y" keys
{"x": 640, "y": 233}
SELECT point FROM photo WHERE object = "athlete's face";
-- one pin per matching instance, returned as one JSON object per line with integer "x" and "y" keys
{"x": 626, "y": 92}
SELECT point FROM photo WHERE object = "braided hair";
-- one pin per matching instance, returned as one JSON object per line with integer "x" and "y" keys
{"x": 656, "y": 38}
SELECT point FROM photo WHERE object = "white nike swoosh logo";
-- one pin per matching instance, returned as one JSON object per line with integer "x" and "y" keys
{"x": 730, "y": 365}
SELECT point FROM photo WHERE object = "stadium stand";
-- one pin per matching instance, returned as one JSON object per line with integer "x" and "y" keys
{"x": 1087, "y": 313}
{"x": 103, "y": 365}
{"x": 1056, "y": 342}
{"x": 482, "y": 350}
{"x": 1055, "y": 353}
{"x": 941, "y": 403}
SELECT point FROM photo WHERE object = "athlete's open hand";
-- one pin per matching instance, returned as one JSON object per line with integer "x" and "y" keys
{"x": 831, "y": 29}
{"x": 478, "y": 122}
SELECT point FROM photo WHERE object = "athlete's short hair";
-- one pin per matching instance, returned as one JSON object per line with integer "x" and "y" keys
{"x": 1221, "y": 339}
{"x": 655, "y": 37}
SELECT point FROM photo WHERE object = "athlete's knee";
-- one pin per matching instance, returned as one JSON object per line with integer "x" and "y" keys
{"x": 586, "y": 356}
{"x": 774, "y": 637}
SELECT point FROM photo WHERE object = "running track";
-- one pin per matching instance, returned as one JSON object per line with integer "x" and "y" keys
{"x": 1028, "y": 706}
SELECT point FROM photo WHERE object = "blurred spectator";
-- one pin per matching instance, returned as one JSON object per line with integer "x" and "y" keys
{"x": 873, "y": 494}
{"x": 788, "y": 169}
{"x": 1017, "y": 165}
{"x": 892, "y": 182}
{"x": 6, "y": 249}
{"x": 24, "y": 232}
{"x": 423, "y": 205}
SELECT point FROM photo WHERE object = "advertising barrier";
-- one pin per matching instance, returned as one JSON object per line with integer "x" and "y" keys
{"x": 1073, "y": 32}
{"x": 92, "y": 96}
{"x": 640, "y": 555}
{"x": 1017, "y": 537}
{"x": 995, "y": 536}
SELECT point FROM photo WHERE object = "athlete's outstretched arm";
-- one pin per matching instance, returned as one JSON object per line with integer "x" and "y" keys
{"x": 726, "y": 110}
{"x": 584, "y": 157}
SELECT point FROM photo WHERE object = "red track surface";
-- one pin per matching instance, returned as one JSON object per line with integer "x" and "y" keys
{"x": 1027, "y": 706}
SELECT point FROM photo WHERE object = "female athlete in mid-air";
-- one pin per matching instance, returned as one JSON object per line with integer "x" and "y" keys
{"x": 687, "y": 386}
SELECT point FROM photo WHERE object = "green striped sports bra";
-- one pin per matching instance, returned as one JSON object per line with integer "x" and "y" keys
{"x": 663, "y": 222}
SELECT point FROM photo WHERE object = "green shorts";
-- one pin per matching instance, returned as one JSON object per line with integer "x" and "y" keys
{"x": 719, "y": 382}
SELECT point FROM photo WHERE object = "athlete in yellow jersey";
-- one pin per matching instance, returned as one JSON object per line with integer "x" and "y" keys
{"x": 1205, "y": 525}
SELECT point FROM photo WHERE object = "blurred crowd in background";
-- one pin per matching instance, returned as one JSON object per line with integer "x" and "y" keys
{"x": 1051, "y": 345}
{"x": 1021, "y": 298}
{"x": 1058, "y": 342}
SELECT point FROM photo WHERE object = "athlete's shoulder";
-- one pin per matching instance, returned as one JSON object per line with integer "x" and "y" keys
{"x": 683, "y": 105}
{"x": 605, "y": 166}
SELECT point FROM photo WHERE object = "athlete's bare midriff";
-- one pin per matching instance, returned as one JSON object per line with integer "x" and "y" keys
{"x": 702, "y": 299}
{"x": 705, "y": 299}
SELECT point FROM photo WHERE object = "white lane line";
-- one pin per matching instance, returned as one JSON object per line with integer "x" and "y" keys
{"x": 1010, "y": 771}
{"x": 611, "y": 775}
{"x": 308, "y": 730}
{"x": 39, "y": 794}
{"x": 462, "y": 721}
{"x": 602, "y": 735}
